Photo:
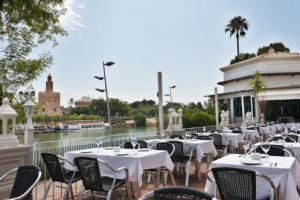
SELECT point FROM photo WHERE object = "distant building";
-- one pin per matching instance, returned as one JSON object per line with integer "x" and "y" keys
{"x": 49, "y": 101}
{"x": 84, "y": 101}
{"x": 281, "y": 71}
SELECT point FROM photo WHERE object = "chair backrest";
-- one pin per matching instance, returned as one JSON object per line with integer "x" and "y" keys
{"x": 287, "y": 139}
{"x": 293, "y": 136}
{"x": 166, "y": 146}
{"x": 215, "y": 131}
{"x": 178, "y": 155}
{"x": 171, "y": 193}
{"x": 53, "y": 166}
{"x": 217, "y": 140}
{"x": 176, "y": 136}
{"x": 193, "y": 135}
{"x": 235, "y": 183}
{"x": 204, "y": 137}
{"x": 128, "y": 145}
{"x": 237, "y": 131}
{"x": 275, "y": 150}
{"x": 26, "y": 177}
{"x": 89, "y": 172}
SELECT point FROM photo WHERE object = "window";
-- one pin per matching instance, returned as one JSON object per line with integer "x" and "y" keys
{"x": 49, "y": 101}
{"x": 54, "y": 109}
{"x": 43, "y": 109}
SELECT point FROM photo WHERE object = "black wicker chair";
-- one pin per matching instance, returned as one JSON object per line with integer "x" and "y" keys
{"x": 26, "y": 179}
{"x": 177, "y": 136}
{"x": 170, "y": 148}
{"x": 218, "y": 142}
{"x": 177, "y": 193}
{"x": 53, "y": 165}
{"x": 179, "y": 158}
{"x": 205, "y": 137}
{"x": 237, "y": 131}
{"x": 275, "y": 150}
{"x": 237, "y": 184}
{"x": 140, "y": 144}
{"x": 215, "y": 131}
{"x": 92, "y": 179}
{"x": 193, "y": 135}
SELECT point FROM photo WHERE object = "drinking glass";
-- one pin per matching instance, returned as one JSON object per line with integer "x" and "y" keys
{"x": 187, "y": 135}
{"x": 246, "y": 146}
{"x": 284, "y": 134}
{"x": 265, "y": 146}
{"x": 204, "y": 129}
{"x": 162, "y": 135}
{"x": 133, "y": 141}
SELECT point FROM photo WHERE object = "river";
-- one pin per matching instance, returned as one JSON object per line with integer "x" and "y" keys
{"x": 64, "y": 135}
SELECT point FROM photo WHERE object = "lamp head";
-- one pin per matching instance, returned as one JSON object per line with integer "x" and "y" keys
{"x": 167, "y": 95}
{"x": 174, "y": 86}
{"x": 109, "y": 64}
{"x": 100, "y": 90}
{"x": 100, "y": 78}
{"x": 29, "y": 109}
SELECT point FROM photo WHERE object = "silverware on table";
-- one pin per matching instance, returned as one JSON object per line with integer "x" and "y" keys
{"x": 271, "y": 164}
{"x": 275, "y": 164}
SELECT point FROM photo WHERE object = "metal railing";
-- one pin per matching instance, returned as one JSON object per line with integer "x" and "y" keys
{"x": 209, "y": 128}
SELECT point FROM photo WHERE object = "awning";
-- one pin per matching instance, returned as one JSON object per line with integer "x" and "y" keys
{"x": 280, "y": 94}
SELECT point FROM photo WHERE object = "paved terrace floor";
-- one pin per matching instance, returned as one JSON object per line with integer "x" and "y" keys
{"x": 147, "y": 187}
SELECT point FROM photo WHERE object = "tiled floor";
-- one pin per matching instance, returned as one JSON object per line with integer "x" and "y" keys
{"x": 147, "y": 187}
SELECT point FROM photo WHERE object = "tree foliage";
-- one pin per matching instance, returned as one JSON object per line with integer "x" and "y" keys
{"x": 25, "y": 25}
{"x": 238, "y": 27}
{"x": 140, "y": 120}
{"x": 241, "y": 57}
{"x": 277, "y": 46}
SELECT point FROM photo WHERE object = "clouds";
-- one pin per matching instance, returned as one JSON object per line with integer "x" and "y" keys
{"x": 73, "y": 20}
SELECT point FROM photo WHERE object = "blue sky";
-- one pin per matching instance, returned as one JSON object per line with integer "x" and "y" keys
{"x": 185, "y": 40}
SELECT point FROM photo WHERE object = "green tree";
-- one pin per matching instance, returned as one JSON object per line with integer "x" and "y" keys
{"x": 140, "y": 120}
{"x": 258, "y": 85}
{"x": 25, "y": 25}
{"x": 277, "y": 46}
{"x": 238, "y": 27}
{"x": 241, "y": 57}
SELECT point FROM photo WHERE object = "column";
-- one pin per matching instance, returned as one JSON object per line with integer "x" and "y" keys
{"x": 231, "y": 110}
{"x": 160, "y": 103}
{"x": 251, "y": 102}
{"x": 243, "y": 107}
{"x": 216, "y": 108}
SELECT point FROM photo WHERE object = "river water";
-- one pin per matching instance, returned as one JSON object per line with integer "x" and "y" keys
{"x": 64, "y": 135}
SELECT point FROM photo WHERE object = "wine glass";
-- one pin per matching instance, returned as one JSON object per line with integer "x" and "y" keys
{"x": 204, "y": 129}
{"x": 246, "y": 146}
{"x": 187, "y": 135}
{"x": 133, "y": 141}
{"x": 99, "y": 142}
{"x": 162, "y": 135}
{"x": 284, "y": 134}
{"x": 265, "y": 146}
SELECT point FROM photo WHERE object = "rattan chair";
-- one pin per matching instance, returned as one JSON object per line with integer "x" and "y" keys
{"x": 215, "y": 131}
{"x": 275, "y": 150}
{"x": 177, "y": 136}
{"x": 180, "y": 159}
{"x": 237, "y": 131}
{"x": 93, "y": 181}
{"x": 53, "y": 165}
{"x": 287, "y": 139}
{"x": 218, "y": 142}
{"x": 205, "y": 137}
{"x": 193, "y": 135}
{"x": 177, "y": 193}
{"x": 170, "y": 148}
{"x": 26, "y": 179}
{"x": 140, "y": 144}
{"x": 237, "y": 184}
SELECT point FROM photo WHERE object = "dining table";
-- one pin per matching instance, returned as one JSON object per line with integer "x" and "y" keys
{"x": 283, "y": 171}
{"x": 136, "y": 161}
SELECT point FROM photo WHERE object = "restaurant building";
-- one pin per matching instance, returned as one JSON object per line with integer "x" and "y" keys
{"x": 281, "y": 99}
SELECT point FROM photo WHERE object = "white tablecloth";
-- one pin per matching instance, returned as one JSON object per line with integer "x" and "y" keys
{"x": 286, "y": 173}
{"x": 279, "y": 127}
{"x": 135, "y": 163}
{"x": 272, "y": 129}
{"x": 250, "y": 133}
{"x": 199, "y": 146}
{"x": 265, "y": 130}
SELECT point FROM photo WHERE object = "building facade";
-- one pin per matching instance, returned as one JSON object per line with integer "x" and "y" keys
{"x": 49, "y": 101}
{"x": 84, "y": 101}
{"x": 280, "y": 101}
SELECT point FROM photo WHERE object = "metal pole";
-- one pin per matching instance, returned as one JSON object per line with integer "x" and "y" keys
{"x": 160, "y": 103}
{"x": 216, "y": 108}
{"x": 107, "y": 101}
{"x": 171, "y": 96}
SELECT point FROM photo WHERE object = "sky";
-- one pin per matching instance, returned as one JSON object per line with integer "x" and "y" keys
{"x": 185, "y": 40}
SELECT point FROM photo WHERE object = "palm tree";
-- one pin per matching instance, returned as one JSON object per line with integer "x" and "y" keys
{"x": 237, "y": 26}
{"x": 258, "y": 85}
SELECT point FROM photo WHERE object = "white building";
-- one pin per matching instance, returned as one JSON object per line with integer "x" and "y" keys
{"x": 281, "y": 101}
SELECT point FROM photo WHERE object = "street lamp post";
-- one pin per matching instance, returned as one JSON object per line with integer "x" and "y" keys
{"x": 107, "y": 99}
{"x": 171, "y": 87}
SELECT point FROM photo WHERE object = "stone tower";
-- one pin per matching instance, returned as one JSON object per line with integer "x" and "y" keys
{"x": 49, "y": 101}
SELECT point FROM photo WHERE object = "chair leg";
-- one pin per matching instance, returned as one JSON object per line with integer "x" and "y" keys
{"x": 166, "y": 177}
{"x": 81, "y": 192}
{"x": 149, "y": 177}
{"x": 128, "y": 190}
{"x": 187, "y": 174}
{"x": 172, "y": 178}
{"x": 71, "y": 191}
{"x": 177, "y": 167}
{"x": 207, "y": 161}
{"x": 47, "y": 189}
{"x": 68, "y": 186}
